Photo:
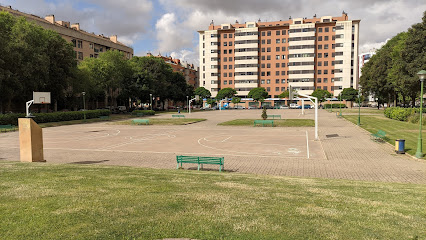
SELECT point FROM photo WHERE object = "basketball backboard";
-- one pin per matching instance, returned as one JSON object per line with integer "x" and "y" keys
{"x": 197, "y": 97}
{"x": 41, "y": 97}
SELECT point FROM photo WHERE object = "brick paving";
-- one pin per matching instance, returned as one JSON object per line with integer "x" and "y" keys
{"x": 351, "y": 155}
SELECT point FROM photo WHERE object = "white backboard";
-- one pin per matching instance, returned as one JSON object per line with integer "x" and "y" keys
{"x": 41, "y": 97}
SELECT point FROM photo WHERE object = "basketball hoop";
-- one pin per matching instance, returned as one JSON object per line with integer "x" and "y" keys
{"x": 38, "y": 98}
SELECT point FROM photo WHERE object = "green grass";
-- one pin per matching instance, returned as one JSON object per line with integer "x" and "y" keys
{"x": 363, "y": 110}
{"x": 394, "y": 130}
{"x": 166, "y": 121}
{"x": 277, "y": 122}
{"x": 43, "y": 201}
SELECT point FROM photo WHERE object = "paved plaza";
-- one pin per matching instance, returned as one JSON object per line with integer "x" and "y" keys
{"x": 344, "y": 150}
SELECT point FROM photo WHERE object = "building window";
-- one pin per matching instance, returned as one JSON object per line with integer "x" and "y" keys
{"x": 225, "y": 35}
{"x": 74, "y": 42}
{"x": 269, "y": 33}
{"x": 325, "y": 38}
{"x": 326, "y": 71}
{"x": 268, "y": 49}
{"x": 230, "y": 43}
{"x": 225, "y": 66}
{"x": 268, "y": 73}
{"x": 268, "y": 89}
{"x": 230, "y": 81}
{"x": 268, "y": 81}
{"x": 319, "y": 29}
{"x": 319, "y": 63}
{"x": 263, "y": 33}
{"x": 283, "y": 32}
{"x": 230, "y": 66}
{"x": 319, "y": 72}
{"x": 268, "y": 41}
{"x": 284, "y": 40}
{"x": 225, "y": 59}
{"x": 326, "y": 29}
{"x": 263, "y": 49}
{"x": 91, "y": 55}
{"x": 325, "y": 63}
{"x": 225, "y": 44}
{"x": 319, "y": 55}
{"x": 277, "y": 89}
{"x": 277, "y": 57}
{"x": 263, "y": 41}
{"x": 283, "y": 73}
{"x": 282, "y": 80}
{"x": 230, "y": 59}
{"x": 282, "y": 64}
{"x": 318, "y": 80}
{"x": 268, "y": 57}
{"x": 325, "y": 87}
{"x": 277, "y": 73}
{"x": 319, "y": 46}
{"x": 277, "y": 65}
{"x": 325, "y": 81}
{"x": 268, "y": 65}
{"x": 225, "y": 82}
{"x": 263, "y": 65}
{"x": 277, "y": 81}
{"x": 263, "y": 74}
{"x": 282, "y": 89}
{"x": 283, "y": 49}
{"x": 320, "y": 38}
{"x": 262, "y": 81}
{"x": 225, "y": 75}
{"x": 80, "y": 44}
{"x": 325, "y": 55}
{"x": 278, "y": 33}
{"x": 283, "y": 57}
{"x": 225, "y": 51}
{"x": 278, "y": 41}
{"x": 91, "y": 45}
{"x": 230, "y": 35}
{"x": 80, "y": 55}
{"x": 277, "y": 49}
{"x": 230, "y": 51}
{"x": 230, "y": 74}
{"x": 325, "y": 46}
{"x": 263, "y": 57}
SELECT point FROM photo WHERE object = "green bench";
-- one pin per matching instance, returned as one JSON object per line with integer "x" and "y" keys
{"x": 178, "y": 116}
{"x": 274, "y": 116}
{"x": 263, "y": 122}
{"x": 380, "y": 135}
{"x": 104, "y": 118}
{"x": 200, "y": 161}
{"x": 140, "y": 121}
{"x": 7, "y": 127}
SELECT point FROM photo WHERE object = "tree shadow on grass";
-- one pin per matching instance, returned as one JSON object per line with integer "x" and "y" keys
{"x": 90, "y": 162}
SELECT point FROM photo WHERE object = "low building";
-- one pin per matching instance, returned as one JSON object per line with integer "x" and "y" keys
{"x": 188, "y": 70}
{"x": 85, "y": 44}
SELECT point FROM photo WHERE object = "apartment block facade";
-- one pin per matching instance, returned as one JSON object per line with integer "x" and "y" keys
{"x": 189, "y": 71}
{"x": 306, "y": 54}
{"x": 86, "y": 45}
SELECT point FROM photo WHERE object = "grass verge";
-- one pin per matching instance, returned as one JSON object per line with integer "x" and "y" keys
{"x": 42, "y": 201}
{"x": 277, "y": 122}
{"x": 363, "y": 110}
{"x": 166, "y": 121}
{"x": 394, "y": 130}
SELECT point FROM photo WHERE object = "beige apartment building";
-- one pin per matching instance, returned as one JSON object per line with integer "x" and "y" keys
{"x": 303, "y": 53}
{"x": 85, "y": 44}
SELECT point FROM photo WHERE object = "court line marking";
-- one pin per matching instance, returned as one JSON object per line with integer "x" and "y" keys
{"x": 251, "y": 143}
{"x": 226, "y": 139}
{"x": 176, "y": 153}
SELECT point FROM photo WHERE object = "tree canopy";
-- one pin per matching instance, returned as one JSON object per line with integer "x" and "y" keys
{"x": 202, "y": 92}
{"x": 258, "y": 94}
{"x": 226, "y": 93}
{"x": 349, "y": 94}
{"x": 321, "y": 94}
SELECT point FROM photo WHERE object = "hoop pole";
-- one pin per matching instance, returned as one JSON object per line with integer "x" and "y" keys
{"x": 28, "y": 104}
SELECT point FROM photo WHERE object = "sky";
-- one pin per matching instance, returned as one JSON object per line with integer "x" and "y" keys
{"x": 169, "y": 27}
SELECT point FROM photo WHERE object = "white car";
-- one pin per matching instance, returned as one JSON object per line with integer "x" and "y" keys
{"x": 283, "y": 107}
{"x": 239, "y": 107}
{"x": 293, "y": 105}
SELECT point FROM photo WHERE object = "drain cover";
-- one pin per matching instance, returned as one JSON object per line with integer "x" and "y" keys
{"x": 332, "y": 135}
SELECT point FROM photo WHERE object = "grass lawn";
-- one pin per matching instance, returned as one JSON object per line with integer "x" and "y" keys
{"x": 165, "y": 121}
{"x": 394, "y": 130}
{"x": 277, "y": 122}
{"x": 43, "y": 201}
{"x": 363, "y": 110}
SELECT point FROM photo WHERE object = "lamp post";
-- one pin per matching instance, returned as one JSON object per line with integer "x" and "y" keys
{"x": 150, "y": 99}
{"x": 359, "y": 108}
{"x": 84, "y": 105}
{"x": 419, "y": 152}
{"x": 187, "y": 103}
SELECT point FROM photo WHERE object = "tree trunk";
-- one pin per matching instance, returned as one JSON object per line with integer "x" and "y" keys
{"x": 106, "y": 99}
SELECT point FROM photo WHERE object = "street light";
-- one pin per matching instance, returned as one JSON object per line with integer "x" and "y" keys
{"x": 419, "y": 153}
{"x": 84, "y": 105}
{"x": 150, "y": 98}
{"x": 359, "y": 108}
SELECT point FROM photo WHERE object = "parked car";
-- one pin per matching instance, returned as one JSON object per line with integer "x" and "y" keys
{"x": 306, "y": 106}
{"x": 283, "y": 107}
{"x": 268, "y": 107}
{"x": 252, "y": 107}
{"x": 239, "y": 107}
{"x": 293, "y": 106}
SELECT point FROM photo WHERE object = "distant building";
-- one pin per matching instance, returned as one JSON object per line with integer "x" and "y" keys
{"x": 85, "y": 44}
{"x": 307, "y": 54}
{"x": 188, "y": 70}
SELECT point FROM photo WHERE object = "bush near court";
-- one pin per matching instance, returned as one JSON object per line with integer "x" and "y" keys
{"x": 12, "y": 118}
{"x": 144, "y": 112}
{"x": 335, "y": 105}
{"x": 404, "y": 114}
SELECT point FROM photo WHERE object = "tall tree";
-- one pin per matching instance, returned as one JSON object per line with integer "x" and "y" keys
{"x": 226, "y": 93}
{"x": 321, "y": 94}
{"x": 349, "y": 94}
{"x": 258, "y": 94}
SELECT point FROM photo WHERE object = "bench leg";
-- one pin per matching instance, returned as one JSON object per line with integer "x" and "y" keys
{"x": 177, "y": 166}
{"x": 202, "y": 166}
{"x": 220, "y": 168}
{"x": 198, "y": 167}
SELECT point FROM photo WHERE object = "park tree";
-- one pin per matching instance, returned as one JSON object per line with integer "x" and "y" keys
{"x": 202, "y": 92}
{"x": 109, "y": 71}
{"x": 211, "y": 101}
{"x": 321, "y": 94}
{"x": 32, "y": 59}
{"x": 258, "y": 94}
{"x": 349, "y": 94}
{"x": 284, "y": 94}
{"x": 226, "y": 93}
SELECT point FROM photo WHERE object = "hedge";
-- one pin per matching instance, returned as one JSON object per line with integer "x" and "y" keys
{"x": 12, "y": 118}
{"x": 335, "y": 105}
{"x": 398, "y": 113}
{"x": 145, "y": 112}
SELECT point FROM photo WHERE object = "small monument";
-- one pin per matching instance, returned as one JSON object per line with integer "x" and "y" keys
{"x": 30, "y": 134}
{"x": 30, "y": 141}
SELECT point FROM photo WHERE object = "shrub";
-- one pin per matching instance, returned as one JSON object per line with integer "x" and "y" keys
{"x": 53, "y": 117}
{"x": 145, "y": 112}
{"x": 398, "y": 113}
{"x": 414, "y": 118}
{"x": 264, "y": 114}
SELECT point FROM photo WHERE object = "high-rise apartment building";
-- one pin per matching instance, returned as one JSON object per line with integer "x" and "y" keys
{"x": 85, "y": 44}
{"x": 303, "y": 53}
